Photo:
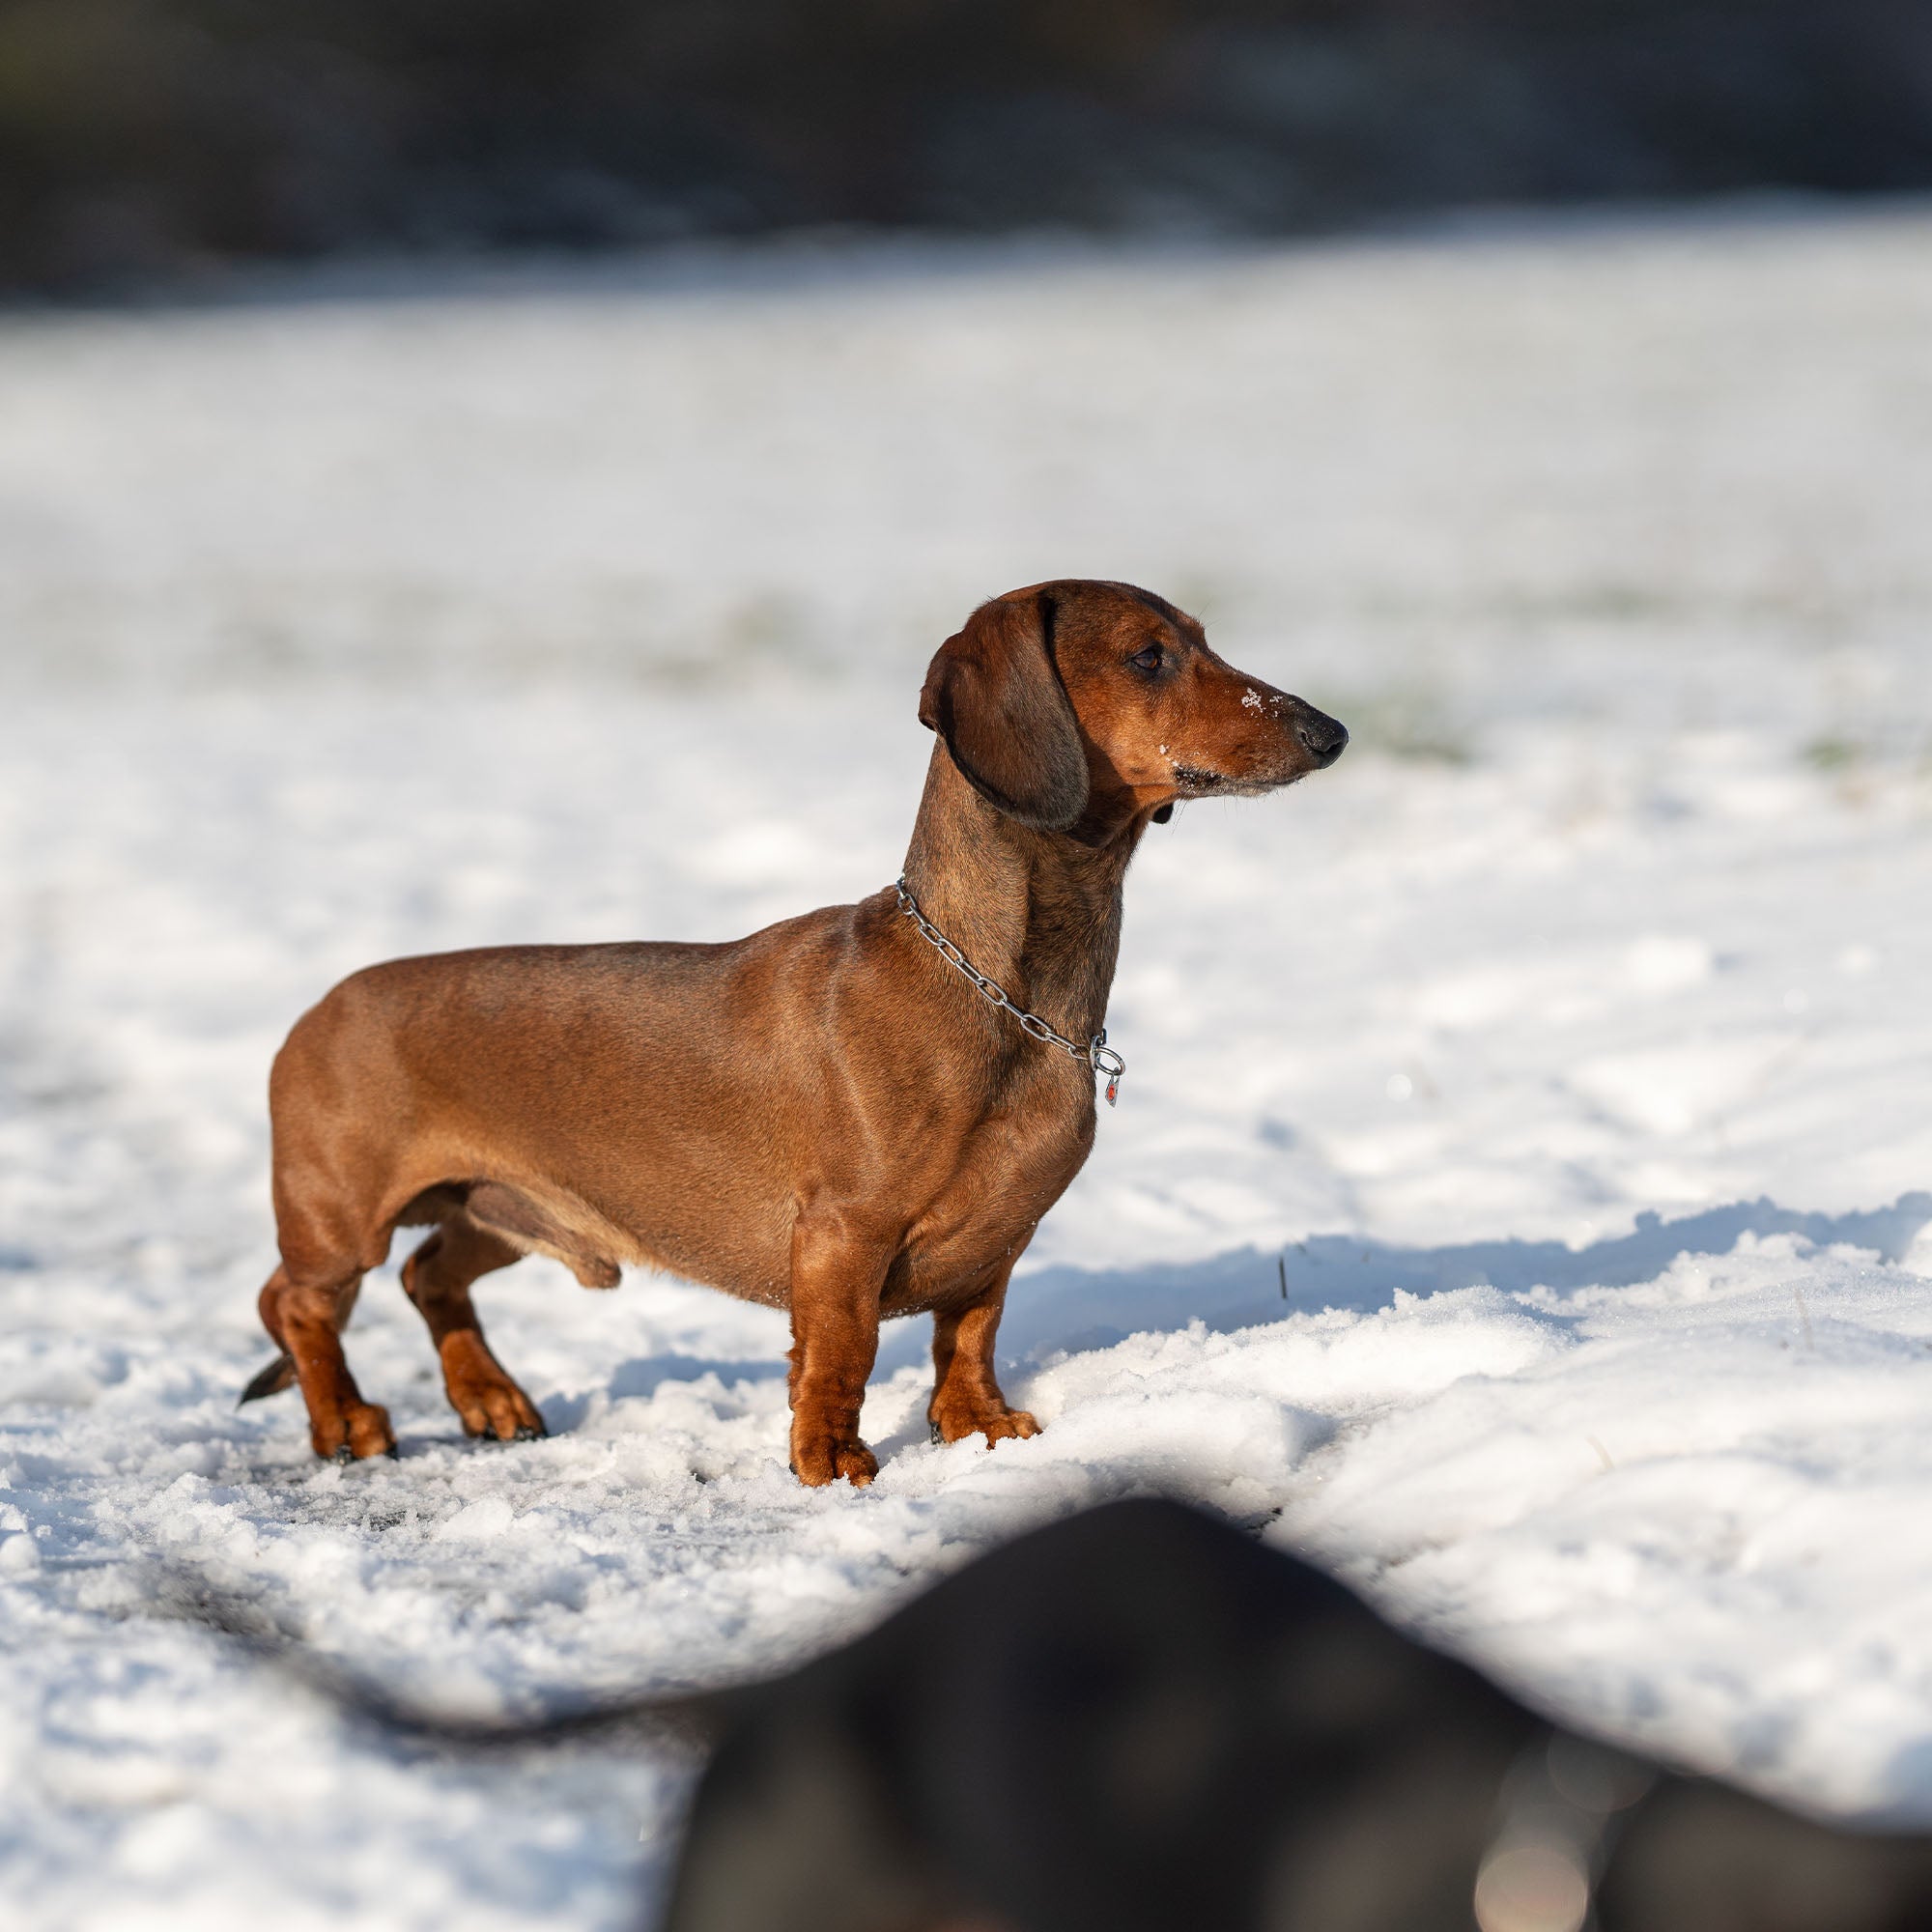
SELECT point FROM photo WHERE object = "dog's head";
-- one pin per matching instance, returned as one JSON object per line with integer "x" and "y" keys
{"x": 1078, "y": 706}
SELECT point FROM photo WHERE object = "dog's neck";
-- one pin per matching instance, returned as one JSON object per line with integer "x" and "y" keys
{"x": 1039, "y": 912}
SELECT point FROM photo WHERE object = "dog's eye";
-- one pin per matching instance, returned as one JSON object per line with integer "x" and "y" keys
{"x": 1151, "y": 659}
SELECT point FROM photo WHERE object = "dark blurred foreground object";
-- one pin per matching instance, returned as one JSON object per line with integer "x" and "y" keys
{"x": 145, "y": 140}
{"x": 1140, "y": 1720}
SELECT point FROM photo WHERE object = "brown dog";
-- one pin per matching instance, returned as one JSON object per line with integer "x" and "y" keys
{"x": 822, "y": 1116}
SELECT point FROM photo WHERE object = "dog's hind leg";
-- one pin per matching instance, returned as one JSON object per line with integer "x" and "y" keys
{"x": 280, "y": 1373}
{"x": 436, "y": 1278}
{"x": 308, "y": 1323}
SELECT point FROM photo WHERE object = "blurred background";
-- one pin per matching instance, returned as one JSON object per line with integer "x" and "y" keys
{"x": 480, "y": 338}
{"x": 145, "y": 139}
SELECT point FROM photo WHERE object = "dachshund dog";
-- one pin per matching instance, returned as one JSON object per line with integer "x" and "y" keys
{"x": 825, "y": 1117}
{"x": 1139, "y": 1720}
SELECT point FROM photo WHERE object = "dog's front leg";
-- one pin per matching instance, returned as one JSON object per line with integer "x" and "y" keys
{"x": 838, "y": 1270}
{"x": 966, "y": 1399}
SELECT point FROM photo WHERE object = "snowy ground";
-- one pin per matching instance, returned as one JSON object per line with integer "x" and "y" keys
{"x": 1570, "y": 1040}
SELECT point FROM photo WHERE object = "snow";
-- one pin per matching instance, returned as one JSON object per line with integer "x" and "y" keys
{"x": 1566, "y": 1045}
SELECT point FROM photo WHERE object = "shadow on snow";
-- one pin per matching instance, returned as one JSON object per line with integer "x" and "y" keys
{"x": 1076, "y": 1309}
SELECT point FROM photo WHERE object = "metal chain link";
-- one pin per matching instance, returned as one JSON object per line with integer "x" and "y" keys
{"x": 1096, "y": 1054}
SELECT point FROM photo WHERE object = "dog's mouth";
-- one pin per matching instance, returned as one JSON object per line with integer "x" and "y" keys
{"x": 1196, "y": 781}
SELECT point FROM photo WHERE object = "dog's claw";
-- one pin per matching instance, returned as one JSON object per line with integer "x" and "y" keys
{"x": 938, "y": 1439}
{"x": 344, "y": 1456}
{"x": 526, "y": 1434}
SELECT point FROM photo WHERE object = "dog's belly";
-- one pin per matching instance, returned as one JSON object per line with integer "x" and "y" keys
{"x": 934, "y": 1271}
{"x": 729, "y": 1224}
{"x": 721, "y": 1231}
{"x": 971, "y": 1233}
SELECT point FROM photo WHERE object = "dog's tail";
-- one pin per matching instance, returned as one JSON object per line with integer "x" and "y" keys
{"x": 279, "y": 1374}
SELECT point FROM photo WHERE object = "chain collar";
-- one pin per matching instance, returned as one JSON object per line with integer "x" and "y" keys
{"x": 1096, "y": 1054}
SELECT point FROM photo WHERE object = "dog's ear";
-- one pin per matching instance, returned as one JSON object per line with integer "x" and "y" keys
{"x": 993, "y": 695}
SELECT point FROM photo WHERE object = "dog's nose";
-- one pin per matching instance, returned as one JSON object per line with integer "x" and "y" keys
{"x": 1325, "y": 738}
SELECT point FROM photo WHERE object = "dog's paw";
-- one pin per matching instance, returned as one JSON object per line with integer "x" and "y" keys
{"x": 502, "y": 1415}
{"x": 489, "y": 1402}
{"x": 361, "y": 1431}
{"x": 995, "y": 1424}
{"x": 824, "y": 1460}
{"x": 1017, "y": 1424}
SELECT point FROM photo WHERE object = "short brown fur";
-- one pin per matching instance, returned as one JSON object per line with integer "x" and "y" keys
{"x": 822, "y": 1116}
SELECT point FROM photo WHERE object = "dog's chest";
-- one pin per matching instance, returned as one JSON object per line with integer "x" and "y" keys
{"x": 982, "y": 1212}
